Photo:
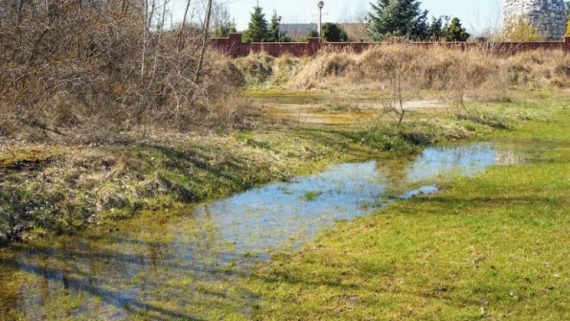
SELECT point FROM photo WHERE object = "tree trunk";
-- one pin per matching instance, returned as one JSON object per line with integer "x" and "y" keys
{"x": 181, "y": 43}
{"x": 204, "y": 42}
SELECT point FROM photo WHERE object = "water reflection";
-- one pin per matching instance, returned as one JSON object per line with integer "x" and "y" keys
{"x": 184, "y": 266}
{"x": 465, "y": 160}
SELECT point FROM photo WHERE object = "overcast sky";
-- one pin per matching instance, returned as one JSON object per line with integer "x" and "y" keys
{"x": 477, "y": 15}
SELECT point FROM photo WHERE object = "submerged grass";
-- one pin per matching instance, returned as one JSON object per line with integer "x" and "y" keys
{"x": 311, "y": 196}
{"x": 490, "y": 247}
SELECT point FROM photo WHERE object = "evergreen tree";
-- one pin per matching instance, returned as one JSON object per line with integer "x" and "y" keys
{"x": 275, "y": 27}
{"x": 257, "y": 29}
{"x": 397, "y": 18}
{"x": 435, "y": 29}
{"x": 333, "y": 32}
{"x": 276, "y": 34}
{"x": 455, "y": 31}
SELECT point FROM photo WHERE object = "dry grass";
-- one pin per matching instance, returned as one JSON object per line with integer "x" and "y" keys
{"x": 480, "y": 73}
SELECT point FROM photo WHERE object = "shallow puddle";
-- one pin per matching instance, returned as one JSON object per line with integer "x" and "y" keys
{"x": 185, "y": 266}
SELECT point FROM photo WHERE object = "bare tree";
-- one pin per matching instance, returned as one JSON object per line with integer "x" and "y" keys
{"x": 397, "y": 82}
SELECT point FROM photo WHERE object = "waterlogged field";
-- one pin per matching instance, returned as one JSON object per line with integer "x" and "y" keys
{"x": 195, "y": 263}
{"x": 490, "y": 247}
{"x": 457, "y": 232}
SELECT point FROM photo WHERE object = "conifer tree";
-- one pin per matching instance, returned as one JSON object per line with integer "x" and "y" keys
{"x": 435, "y": 29}
{"x": 275, "y": 32}
{"x": 257, "y": 30}
{"x": 455, "y": 31}
{"x": 397, "y": 18}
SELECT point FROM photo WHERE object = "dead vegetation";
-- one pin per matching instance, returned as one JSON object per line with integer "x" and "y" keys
{"x": 477, "y": 73}
{"x": 84, "y": 72}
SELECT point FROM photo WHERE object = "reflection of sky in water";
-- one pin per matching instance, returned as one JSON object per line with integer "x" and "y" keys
{"x": 269, "y": 216}
{"x": 280, "y": 214}
{"x": 444, "y": 161}
{"x": 130, "y": 271}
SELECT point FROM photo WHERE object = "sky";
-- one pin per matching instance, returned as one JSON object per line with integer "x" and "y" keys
{"x": 478, "y": 16}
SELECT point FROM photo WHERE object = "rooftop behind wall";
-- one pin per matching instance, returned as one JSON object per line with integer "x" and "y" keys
{"x": 234, "y": 47}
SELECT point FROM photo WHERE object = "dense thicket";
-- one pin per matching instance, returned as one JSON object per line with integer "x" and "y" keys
{"x": 88, "y": 70}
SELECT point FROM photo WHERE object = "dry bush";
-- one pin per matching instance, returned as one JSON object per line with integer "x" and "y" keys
{"x": 257, "y": 67}
{"x": 285, "y": 67}
{"x": 324, "y": 68}
{"x": 118, "y": 72}
{"x": 476, "y": 72}
{"x": 538, "y": 68}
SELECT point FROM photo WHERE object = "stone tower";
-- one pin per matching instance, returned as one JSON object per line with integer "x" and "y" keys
{"x": 547, "y": 16}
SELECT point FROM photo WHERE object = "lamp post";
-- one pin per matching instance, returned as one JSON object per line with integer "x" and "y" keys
{"x": 321, "y": 5}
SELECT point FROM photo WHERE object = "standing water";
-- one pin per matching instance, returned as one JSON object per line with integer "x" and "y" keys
{"x": 184, "y": 267}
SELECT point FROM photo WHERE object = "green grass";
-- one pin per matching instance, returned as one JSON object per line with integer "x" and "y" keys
{"x": 311, "y": 196}
{"x": 492, "y": 247}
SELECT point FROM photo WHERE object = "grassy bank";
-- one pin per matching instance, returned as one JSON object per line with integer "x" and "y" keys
{"x": 61, "y": 189}
{"x": 490, "y": 247}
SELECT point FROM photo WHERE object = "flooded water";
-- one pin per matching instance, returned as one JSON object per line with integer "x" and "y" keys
{"x": 186, "y": 265}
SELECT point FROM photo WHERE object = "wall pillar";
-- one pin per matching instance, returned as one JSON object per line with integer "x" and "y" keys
{"x": 234, "y": 44}
{"x": 314, "y": 46}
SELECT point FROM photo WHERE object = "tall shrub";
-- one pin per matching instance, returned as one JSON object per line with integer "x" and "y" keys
{"x": 454, "y": 31}
{"x": 334, "y": 32}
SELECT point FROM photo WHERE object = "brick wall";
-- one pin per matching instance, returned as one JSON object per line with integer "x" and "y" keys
{"x": 234, "y": 47}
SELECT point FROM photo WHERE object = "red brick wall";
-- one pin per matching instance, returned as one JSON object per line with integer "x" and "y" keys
{"x": 234, "y": 47}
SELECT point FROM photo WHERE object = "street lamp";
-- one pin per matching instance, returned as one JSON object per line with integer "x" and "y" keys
{"x": 321, "y": 5}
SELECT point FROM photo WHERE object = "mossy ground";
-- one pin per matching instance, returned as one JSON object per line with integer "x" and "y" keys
{"x": 491, "y": 247}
